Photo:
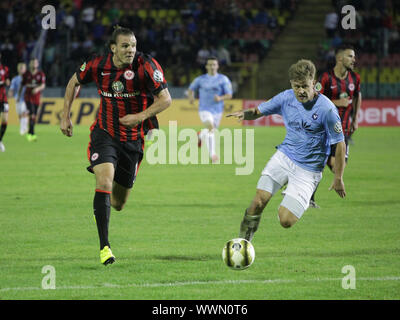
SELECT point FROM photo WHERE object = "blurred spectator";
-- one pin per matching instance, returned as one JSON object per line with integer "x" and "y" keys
{"x": 331, "y": 23}
{"x": 223, "y": 56}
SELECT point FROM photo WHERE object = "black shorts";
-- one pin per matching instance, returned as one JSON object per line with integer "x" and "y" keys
{"x": 4, "y": 107}
{"x": 333, "y": 149}
{"x": 125, "y": 156}
{"x": 32, "y": 108}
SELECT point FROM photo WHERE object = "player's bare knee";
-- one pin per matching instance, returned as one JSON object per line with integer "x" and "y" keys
{"x": 104, "y": 183}
{"x": 286, "y": 218}
{"x": 117, "y": 205}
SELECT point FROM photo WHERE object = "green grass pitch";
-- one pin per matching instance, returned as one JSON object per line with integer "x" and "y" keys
{"x": 169, "y": 238}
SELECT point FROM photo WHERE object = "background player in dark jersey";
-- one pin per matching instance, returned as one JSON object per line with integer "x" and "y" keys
{"x": 127, "y": 82}
{"x": 4, "y": 81}
{"x": 342, "y": 85}
{"x": 34, "y": 81}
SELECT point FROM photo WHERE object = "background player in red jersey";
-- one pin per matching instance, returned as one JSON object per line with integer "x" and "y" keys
{"x": 342, "y": 85}
{"x": 34, "y": 81}
{"x": 4, "y": 82}
{"x": 127, "y": 81}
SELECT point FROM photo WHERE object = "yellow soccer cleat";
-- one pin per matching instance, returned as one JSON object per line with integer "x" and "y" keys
{"x": 106, "y": 256}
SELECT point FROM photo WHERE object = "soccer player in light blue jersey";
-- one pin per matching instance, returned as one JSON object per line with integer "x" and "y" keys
{"x": 212, "y": 88}
{"x": 22, "y": 111}
{"x": 312, "y": 125}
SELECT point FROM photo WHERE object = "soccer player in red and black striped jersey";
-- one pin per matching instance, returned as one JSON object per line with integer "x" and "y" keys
{"x": 128, "y": 82}
{"x": 34, "y": 81}
{"x": 4, "y": 81}
{"x": 342, "y": 85}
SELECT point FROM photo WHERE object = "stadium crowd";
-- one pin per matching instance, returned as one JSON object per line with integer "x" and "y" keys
{"x": 180, "y": 34}
{"x": 376, "y": 33}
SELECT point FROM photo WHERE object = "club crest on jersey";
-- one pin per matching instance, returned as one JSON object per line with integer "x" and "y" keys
{"x": 351, "y": 86}
{"x": 318, "y": 86}
{"x": 129, "y": 74}
{"x": 338, "y": 127}
{"x": 117, "y": 86}
{"x": 315, "y": 116}
{"x": 158, "y": 76}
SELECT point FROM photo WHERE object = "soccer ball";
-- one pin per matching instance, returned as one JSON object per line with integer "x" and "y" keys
{"x": 238, "y": 254}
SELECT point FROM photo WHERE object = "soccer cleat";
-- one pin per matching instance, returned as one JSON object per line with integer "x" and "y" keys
{"x": 314, "y": 205}
{"x": 34, "y": 137}
{"x": 106, "y": 256}
{"x": 29, "y": 137}
{"x": 2, "y": 147}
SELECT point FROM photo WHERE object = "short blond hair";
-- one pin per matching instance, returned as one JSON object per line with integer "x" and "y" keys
{"x": 302, "y": 70}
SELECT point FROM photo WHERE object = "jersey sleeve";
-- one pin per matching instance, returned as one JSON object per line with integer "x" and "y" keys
{"x": 43, "y": 78}
{"x": 7, "y": 74}
{"x": 195, "y": 85}
{"x": 85, "y": 72}
{"x": 155, "y": 80}
{"x": 272, "y": 106}
{"x": 357, "y": 89}
{"x": 227, "y": 86}
{"x": 14, "y": 85}
{"x": 334, "y": 125}
{"x": 323, "y": 80}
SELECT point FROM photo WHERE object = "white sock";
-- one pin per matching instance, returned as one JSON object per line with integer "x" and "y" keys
{"x": 211, "y": 143}
{"x": 25, "y": 124}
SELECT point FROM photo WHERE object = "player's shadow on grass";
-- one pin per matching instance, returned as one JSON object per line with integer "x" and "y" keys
{"x": 186, "y": 258}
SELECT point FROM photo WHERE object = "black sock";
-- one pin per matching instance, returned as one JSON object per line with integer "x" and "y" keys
{"x": 31, "y": 126}
{"x": 3, "y": 129}
{"x": 102, "y": 209}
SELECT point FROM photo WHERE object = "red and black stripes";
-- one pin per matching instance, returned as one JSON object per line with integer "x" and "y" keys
{"x": 124, "y": 91}
{"x": 335, "y": 88}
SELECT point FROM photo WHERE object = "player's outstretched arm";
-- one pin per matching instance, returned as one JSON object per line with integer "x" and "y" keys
{"x": 338, "y": 184}
{"x": 70, "y": 93}
{"x": 249, "y": 114}
{"x": 162, "y": 102}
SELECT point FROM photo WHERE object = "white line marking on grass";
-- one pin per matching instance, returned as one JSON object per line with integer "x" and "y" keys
{"x": 194, "y": 283}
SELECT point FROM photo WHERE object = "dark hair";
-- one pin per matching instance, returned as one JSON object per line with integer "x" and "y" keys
{"x": 118, "y": 30}
{"x": 211, "y": 58}
{"x": 344, "y": 46}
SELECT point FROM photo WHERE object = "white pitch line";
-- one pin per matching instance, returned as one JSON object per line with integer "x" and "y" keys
{"x": 193, "y": 283}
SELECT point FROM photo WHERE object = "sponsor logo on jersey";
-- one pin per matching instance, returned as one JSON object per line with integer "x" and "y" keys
{"x": 83, "y": 67}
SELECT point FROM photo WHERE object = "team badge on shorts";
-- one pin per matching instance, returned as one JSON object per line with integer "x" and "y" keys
{"x": 94, "y": 156}
{"x": 129, "y": 74}
{"x": 338, "y": 127}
